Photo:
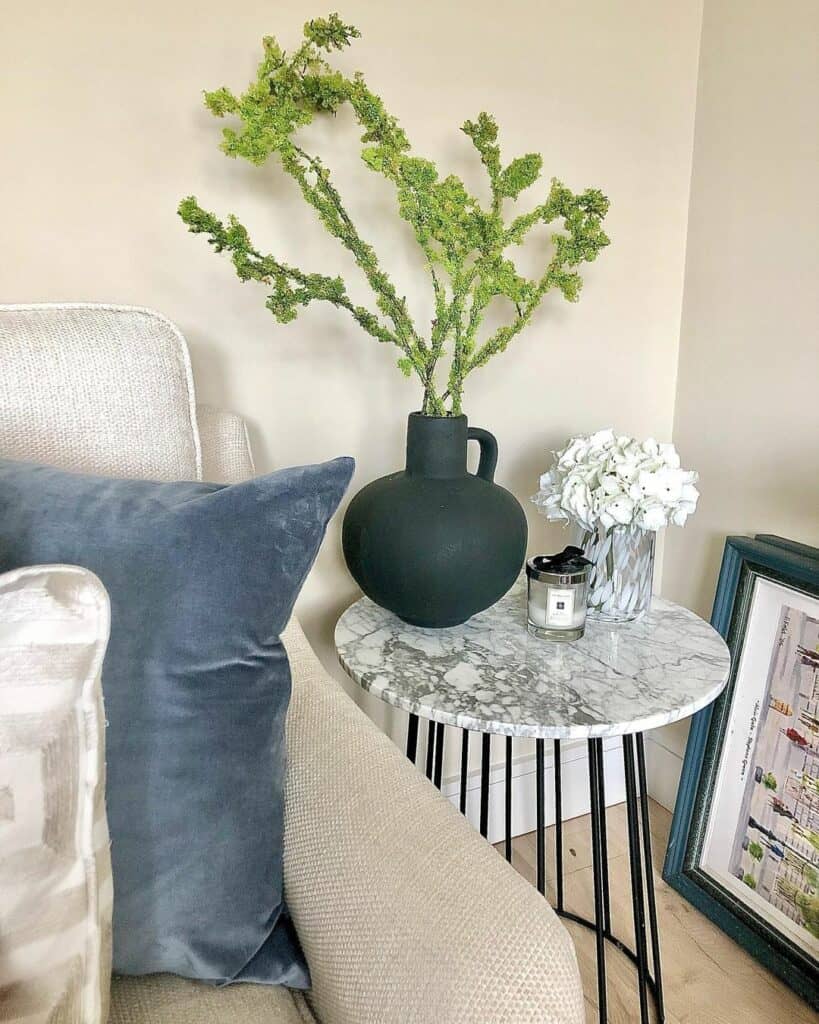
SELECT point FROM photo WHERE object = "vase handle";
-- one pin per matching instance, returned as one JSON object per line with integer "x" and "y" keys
{"x": 489, "y": 452}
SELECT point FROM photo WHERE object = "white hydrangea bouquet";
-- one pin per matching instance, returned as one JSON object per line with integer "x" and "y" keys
{"x": 619, "y": 491}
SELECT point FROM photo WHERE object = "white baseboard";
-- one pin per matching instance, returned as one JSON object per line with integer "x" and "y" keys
{"x": 663, "y": 769}
{"x": 662, "y": 772}
{"x": 575, "y": 787}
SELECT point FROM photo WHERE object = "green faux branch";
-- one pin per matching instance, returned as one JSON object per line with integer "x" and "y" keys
{"x": 464, "y": 245}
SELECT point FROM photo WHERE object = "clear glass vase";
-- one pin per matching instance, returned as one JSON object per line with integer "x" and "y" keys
{"x": 621, "y": 578}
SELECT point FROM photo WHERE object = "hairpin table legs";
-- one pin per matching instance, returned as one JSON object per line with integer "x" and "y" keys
{"x": 644, "y": 908}
{"x": 412, "y": 737}
{"x": 598, "y": 813}
{"x": 485, "y": 748}
{"x": 508, "y": 801}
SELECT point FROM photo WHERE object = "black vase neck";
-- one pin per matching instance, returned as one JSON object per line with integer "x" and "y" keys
{"x": 436, "y": 446}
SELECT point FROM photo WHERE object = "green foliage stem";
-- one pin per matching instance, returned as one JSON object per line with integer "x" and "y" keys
{"x": 464, "y": 244}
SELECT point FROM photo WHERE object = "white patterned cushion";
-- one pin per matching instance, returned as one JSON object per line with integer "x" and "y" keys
{"x": 99, "y": 389}
{"x": 55, "y": 867}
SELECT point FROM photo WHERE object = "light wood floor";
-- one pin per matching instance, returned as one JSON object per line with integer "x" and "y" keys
{"x": 708, "y": 979}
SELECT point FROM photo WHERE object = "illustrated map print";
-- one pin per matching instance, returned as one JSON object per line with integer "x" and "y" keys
{"x": 776, "y": 847}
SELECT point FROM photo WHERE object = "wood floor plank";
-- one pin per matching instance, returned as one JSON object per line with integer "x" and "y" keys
{"x": 708, "y": 978}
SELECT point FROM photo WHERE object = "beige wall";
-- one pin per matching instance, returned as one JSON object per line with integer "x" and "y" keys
{"x": 747, "y": 409}
{"x": 104, "y": 131}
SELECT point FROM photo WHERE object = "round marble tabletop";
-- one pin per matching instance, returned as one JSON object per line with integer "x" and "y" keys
{"x": 490, "y": 675}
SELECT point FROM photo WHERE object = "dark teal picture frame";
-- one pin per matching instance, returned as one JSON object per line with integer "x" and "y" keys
{"x": 744, "y": 560}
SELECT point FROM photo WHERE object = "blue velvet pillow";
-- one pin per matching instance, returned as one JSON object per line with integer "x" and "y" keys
{"x": 202, "y": 580}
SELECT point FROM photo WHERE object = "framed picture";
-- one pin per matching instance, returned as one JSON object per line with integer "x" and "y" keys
{"x": 744, "y": 844}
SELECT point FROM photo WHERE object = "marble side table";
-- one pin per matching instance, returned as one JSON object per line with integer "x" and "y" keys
{"x": 490, "y": 676}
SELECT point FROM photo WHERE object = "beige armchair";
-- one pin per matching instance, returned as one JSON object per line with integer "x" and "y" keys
{"x": 405, "y": 914}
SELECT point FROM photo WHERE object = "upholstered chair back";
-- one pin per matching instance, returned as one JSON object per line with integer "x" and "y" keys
{"x": 109, "y": 390}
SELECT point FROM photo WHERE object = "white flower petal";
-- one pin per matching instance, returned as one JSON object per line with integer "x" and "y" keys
{"x": 668, "y": 453}
{"x": 617, "y": 480}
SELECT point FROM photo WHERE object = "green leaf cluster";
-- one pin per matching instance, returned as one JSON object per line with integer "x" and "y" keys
{"x": 465, "y": 243}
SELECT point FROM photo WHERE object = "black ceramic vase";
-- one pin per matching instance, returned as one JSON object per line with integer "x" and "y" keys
{"x": 434, "y": 543}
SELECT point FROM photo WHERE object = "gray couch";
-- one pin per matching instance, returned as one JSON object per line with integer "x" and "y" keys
{"x": 405, "y": 914}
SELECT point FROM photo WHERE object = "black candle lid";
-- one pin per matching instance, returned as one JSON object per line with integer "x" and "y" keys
{"x": 569, "y": 562}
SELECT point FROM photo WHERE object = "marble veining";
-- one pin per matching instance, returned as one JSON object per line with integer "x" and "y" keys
{"x": 489, "y": 674}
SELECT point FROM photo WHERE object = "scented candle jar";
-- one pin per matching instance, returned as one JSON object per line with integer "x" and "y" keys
{"x": 557, "y": 591}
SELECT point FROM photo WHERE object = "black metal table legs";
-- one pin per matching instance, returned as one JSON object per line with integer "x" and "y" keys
{"x": 558, "y": 827}
{"x": 464, "y": 770}
{"x": 643, "y": 904}
{"x": 652, "y": 903}
{"x": 412, "y": 737}
{"x": 599, "y": 870}
{"x": 646, "y": 955}
{"x": 540, "y": 799}
{"x": 507, "y": 845}
{"x": 485, "y": 746}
